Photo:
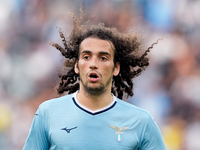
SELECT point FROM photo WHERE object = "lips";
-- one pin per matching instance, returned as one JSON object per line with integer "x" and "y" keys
{"x": 93, "y": 76}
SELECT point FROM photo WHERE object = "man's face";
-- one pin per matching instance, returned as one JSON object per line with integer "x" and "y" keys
{"x": 96, "y": 66}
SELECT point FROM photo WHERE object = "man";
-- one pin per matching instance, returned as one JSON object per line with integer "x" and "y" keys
{"x": 101, "y": 63}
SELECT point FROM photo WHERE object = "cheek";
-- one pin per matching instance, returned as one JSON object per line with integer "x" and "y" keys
{"x": 108, "y": 68}
{"x": 81, "y": 66}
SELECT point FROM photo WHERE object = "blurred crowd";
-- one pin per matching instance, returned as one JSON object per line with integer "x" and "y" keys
{"x": 168, "y": 88}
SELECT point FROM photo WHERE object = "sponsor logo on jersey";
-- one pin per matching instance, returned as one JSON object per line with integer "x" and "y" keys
{"x": 68, "y": 130}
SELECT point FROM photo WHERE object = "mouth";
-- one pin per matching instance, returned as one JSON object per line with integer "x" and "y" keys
{"x": 93, "y": 77}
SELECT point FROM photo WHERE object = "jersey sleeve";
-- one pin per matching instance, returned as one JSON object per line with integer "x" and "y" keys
{"x": 37, "y": 138}
{"x": 152, "y": 137}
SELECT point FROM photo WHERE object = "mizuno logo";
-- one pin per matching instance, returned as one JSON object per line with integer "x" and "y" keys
{"x": 68, "y": 130}
{"x": 119, "y": 134}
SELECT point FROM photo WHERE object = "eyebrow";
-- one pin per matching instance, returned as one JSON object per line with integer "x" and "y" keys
{"x": 101, "y": 52}
{"x": 86, "y": 51}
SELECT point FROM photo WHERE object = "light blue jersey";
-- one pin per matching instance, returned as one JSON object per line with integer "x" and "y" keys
{"x": 64, "y": 124}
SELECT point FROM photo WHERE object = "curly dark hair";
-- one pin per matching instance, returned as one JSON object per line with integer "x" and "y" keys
{"x": 126, "y": 52}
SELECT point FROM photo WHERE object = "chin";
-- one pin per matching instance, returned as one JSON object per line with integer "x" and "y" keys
{"x": 95, "y": 90}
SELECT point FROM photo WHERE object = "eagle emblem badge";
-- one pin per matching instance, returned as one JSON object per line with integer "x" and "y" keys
{"x": 119, "y": 134}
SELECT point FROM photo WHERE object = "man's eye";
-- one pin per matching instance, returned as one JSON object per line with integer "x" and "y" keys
{"x": 103, "y": 58}
{"x": 86, "y": 57}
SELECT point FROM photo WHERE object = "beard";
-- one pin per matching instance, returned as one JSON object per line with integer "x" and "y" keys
{"x": 96, "y": 90}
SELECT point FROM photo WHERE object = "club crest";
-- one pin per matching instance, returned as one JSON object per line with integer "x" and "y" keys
{"x": 119, "y": 134}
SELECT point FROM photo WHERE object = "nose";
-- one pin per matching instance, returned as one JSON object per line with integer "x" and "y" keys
{"x": 94, "y": 64}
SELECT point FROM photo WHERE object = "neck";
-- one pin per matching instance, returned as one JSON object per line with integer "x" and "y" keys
{"x": 94, "y": 102}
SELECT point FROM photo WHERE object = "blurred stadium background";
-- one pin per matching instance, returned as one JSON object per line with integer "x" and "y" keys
{"x": 169, "y": 88}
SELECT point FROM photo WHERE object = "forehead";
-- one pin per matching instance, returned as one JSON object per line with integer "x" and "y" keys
{"x": 96, "y": 45}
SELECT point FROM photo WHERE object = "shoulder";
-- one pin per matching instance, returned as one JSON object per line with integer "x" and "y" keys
{"x": 131, "y": 109}
{"x": 56, "y": 102}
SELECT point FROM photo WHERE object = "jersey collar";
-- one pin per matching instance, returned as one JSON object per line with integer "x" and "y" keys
{"x": 91, "y": 111}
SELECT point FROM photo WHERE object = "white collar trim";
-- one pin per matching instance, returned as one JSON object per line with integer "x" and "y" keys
{"x": 95, "y": 111}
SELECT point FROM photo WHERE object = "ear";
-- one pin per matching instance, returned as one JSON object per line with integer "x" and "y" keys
{"x": 76, "y": 69}
{"x": 116, "y": 69}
